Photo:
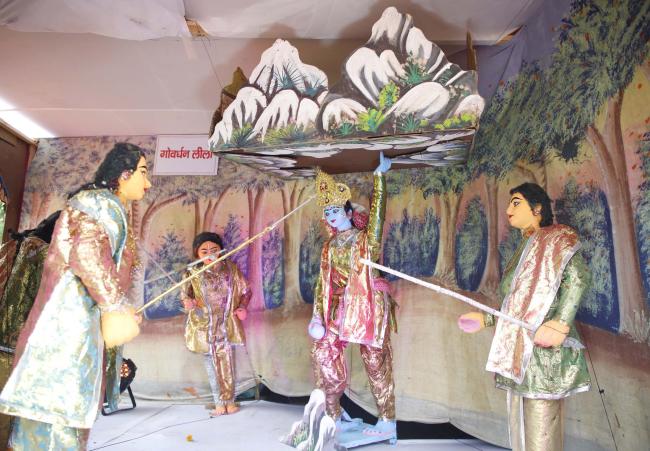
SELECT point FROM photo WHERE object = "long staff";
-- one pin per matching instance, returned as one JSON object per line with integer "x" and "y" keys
{"x": 173, "y": 271}
{"x": 453, "y": 294}
{"x": 223, "y": 257}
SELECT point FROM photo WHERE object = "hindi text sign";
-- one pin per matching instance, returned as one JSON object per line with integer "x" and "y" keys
{"x": 184, "y": 155}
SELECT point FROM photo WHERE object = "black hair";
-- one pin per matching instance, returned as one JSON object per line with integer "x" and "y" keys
{"x": 535, "y": 195}
{"x": 43, "y": 230}
{"x": 122, "y": 157}
{"x": 359, "y": 222}
{"x": 203, "y": 237}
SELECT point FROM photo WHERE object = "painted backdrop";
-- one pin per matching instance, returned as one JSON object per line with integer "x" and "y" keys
{"x": 569, "y": 109}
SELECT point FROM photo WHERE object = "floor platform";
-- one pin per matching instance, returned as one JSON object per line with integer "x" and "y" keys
{"x": 258, "y": 426}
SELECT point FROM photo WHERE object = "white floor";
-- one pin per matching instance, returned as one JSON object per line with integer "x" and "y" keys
{"x": 164, "y": 426}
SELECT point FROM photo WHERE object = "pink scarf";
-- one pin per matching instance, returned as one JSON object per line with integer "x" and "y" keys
{"x": 534, "y": 287}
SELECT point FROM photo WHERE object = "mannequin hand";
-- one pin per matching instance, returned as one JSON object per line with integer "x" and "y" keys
{"x": 384, "y": 164}
{"x": 316, "y": 329}
{"x": 241, "y": 313}
{"x": 119, "y": 326}
{"x": 551, "y": 333}
{"x": 471, "y": 322}
{"x": 189, "y": 304}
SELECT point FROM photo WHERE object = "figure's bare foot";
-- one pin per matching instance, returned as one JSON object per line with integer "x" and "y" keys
{"x": 232, "y": 408}
{"x": 218, "y": 411}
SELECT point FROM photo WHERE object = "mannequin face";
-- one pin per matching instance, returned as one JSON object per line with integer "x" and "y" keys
{"x": 337, "y": 217}
{"x": 134, "y": 186}
{"x": 208, "y": 251}
{"x": 521, "y": 215}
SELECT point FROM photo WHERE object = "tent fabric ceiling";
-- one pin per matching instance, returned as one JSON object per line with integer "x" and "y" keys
{"x": 122, "y": 19}
{"x": 446, "y": 21}
{"x": 136, "y": 70}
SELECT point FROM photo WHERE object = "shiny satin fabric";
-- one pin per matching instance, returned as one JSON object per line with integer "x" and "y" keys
{"x": 555, "y": 372}
{"x": 379, "y": 367}
{"x": 128, "y": 264}
{"x": 344, "y": 291}
{"x": 5, "y": 420}
{"x": 534, "y": 286}
{"x": 354, "y": 310}
{"x": 196, "y": 332}
{"x": 330, "y": 372}
{"x": 208, "y": 363}
{"x": 21, "y": 289}
{"x": 7, "y": 254}
{"x": 112, "y": 377}
{"x": 219, "y": 292}
{"x": 213, "y": 327}
{"x": 535, "y": 424}
{"x": 57, "y": 380}
{"x": 30, "y": 435}
{"x": 224, "y": 369}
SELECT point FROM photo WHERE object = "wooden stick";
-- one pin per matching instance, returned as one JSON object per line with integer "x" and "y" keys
{"x": 453, "y": 294}
{"x": 174, "y": 271}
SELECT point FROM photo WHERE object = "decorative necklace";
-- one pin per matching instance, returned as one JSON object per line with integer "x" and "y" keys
{"x": 342, "y": 238}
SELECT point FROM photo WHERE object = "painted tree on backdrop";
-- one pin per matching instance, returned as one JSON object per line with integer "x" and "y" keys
{"x": 37, "y": 196}
{"x": 293, "y": 193}
{"x": 310, "y": 253}
{"x": 471, "y": 251}
{"x": 165, "y": 191}
{"x": 232, "y": 236}
{"x": 204, "y": 193}
{"x": 411, "y": 244}
{"x": 207, "y": 199}
{"x": 643, "y": 221}
{"x": 507, "y": 248}
{"x": 256, "y": 185}
{"x": 599, "y": 73}
{"x": 585, "y": 209}
{"x": 445, "y": 185}
{"x": 542, "y": 111}
{"x": 273, "y": 269}
{"x": 494, "y": 158}
{"x": 172, "y": 254}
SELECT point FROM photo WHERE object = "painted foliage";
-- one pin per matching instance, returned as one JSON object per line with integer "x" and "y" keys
{"x": 585, "y": 209}
{"x": 574, "y": 121}
{"x": 411, "y": 244}
{"x": 310, "y": 254}
{"x": 572, "y": 105}
{"x": 399, "y": 85}
{"x": 642, "y": 214}
{"x": 164, "y": 268}
{"x": 471, "y": 253}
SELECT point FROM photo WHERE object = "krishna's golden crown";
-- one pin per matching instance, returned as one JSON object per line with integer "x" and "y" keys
{"x": 328, "y": 192}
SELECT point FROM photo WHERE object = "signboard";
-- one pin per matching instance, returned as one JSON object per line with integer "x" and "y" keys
{"x": 184, "y": 155}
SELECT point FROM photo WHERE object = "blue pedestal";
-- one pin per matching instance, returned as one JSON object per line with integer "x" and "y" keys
{"x": 353, "y": 436}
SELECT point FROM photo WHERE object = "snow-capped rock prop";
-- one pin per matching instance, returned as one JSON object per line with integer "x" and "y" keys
{"x": 398, "y": 94}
